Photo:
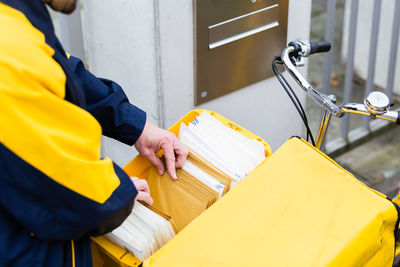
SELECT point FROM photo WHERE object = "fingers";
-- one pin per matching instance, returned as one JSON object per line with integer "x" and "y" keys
{"x": 181, "y": 153}
{"x": 152, "y": 140}
{"x": 155, "y": 161}
{"x": 143, "y": 190}
{"x": 145, "y": 197}
{"x": 169, "y": 158}
{"x": 141, "y": 184}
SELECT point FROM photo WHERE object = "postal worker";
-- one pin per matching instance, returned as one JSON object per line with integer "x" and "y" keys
{"x": 55, "y": 189}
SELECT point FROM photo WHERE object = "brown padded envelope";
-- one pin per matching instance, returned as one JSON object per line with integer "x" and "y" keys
{"x": 176, "y": 198}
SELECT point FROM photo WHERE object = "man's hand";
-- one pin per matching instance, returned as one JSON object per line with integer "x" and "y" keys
{"x": 143, "y": 190}
{"x": 152, "y": 140}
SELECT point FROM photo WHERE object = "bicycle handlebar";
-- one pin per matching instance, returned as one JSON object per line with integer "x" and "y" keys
{"x": 299, "y": 49}
{"x": 355, "y": 108}
{"x": 319, "y": 47}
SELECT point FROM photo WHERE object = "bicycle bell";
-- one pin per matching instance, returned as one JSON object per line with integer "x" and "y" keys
{"x": 377, "y": 103}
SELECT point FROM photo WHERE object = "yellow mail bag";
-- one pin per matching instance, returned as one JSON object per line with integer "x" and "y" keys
{"x": 298, "y": 208}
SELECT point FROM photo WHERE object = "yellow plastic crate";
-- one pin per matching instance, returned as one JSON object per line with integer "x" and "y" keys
{"x": 106, "y": 253}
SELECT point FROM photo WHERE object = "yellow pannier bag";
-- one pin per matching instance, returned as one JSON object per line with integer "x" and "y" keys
{"x": 298, "y": 208}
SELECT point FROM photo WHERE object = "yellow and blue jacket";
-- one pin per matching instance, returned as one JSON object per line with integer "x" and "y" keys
{"x": 55, "y": 190}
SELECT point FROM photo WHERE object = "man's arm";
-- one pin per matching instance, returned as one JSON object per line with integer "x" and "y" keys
{"x": 52, "y": 180}
{"x": 107, "y": 102}
{"x": 123, "y": 121}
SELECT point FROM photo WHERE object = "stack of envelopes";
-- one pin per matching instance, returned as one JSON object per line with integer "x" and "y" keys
{"x": 219, "y": 158}
{"x": 222, "y": 146}
{"x": 144, "y": 231}
{"x": 198, "y": 186}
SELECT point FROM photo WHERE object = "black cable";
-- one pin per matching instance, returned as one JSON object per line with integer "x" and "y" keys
{"x": 278, "y": 72}
{"x": 293, "y": 97}
{"x": 296, "y": 102}
{"x": 298, "y": 105}
{"x": 280, "y": 79}
{"x": 303, "y": 113}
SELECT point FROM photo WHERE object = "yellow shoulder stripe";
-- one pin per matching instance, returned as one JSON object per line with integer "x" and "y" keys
{"x": 37, "y": 124}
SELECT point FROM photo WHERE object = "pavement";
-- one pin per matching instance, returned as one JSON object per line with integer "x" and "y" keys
{"x": 376, "y": 162}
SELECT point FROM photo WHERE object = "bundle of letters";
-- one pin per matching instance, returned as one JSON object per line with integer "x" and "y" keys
{"x": 219, "y": 158}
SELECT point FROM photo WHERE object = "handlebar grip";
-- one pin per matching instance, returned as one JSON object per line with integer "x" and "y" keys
{"x": 319, "y": 47}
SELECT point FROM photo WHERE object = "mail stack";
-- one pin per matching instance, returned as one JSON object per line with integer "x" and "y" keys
{"x": 219, "y": 159}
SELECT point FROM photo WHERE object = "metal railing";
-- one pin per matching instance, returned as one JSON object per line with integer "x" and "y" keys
{"x": 351, "y": 138}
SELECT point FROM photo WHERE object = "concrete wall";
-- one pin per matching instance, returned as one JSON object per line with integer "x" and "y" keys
{"x": 147, "y": 47}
